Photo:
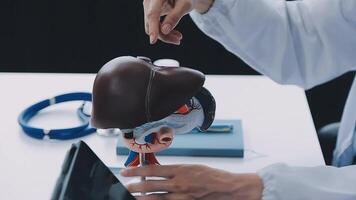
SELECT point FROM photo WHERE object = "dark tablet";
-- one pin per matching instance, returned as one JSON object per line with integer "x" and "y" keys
{"x": 85, "y": 176}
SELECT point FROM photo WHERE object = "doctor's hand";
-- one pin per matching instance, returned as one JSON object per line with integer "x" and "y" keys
{"x": 174, "y": 10}
{"x": 194, "y": 182}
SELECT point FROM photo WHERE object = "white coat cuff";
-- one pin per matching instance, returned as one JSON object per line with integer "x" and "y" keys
{"x": 208, "y": 21}
{"x": 268, "y": 176}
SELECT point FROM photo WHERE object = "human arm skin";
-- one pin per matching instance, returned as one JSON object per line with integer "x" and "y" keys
{"x": 173, "y": 10}
{"x": 193, "y": 182}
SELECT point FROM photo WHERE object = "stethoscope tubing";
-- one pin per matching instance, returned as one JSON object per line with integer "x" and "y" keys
{"x": 60, "y": 134}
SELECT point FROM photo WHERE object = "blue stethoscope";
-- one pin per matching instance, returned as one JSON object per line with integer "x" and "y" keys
{"x": 59, "y": 134}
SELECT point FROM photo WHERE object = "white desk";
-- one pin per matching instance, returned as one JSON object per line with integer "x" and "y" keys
{"x": 277, "y": 127}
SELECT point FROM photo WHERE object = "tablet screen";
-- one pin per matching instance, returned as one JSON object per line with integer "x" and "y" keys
{"x": 85, "y": 176}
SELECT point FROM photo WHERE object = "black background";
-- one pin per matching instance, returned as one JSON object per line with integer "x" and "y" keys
{"x": 81, "y": 35}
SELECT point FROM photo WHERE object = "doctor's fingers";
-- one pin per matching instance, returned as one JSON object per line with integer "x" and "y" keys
{"x": 151, "y": 186}
{"x": 167, "y": 6}
{"x": 174, "y": 37}
{"x": 166, "y": 196}
{"x": 166, "y": 171}
{"x": 181, "y": 8}
{"x": 152, "y": 12}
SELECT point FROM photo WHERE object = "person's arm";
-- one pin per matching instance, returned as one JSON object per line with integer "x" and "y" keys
{"x": 308, "y": 183}
{"x": 193, "y": 182}
{"x": 297, "y": 42}
{"x": 173, "y": 11}
{"x": 276, "y": 182}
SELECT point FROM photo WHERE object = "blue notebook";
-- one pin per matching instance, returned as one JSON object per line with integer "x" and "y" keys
{"x": 203, "y": 144}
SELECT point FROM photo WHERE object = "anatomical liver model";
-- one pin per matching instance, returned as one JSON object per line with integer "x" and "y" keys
{"x": 150, "y": 104}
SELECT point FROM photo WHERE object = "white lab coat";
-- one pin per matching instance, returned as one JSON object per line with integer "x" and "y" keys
{"x": 305, "y": 43}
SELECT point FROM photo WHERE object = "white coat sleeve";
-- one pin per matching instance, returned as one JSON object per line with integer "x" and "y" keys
{"x": 308, "y": 183}
{"x": 304, "y": 42}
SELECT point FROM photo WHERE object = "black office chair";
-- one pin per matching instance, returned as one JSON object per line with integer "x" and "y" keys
{"x": 327, "y": 137}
